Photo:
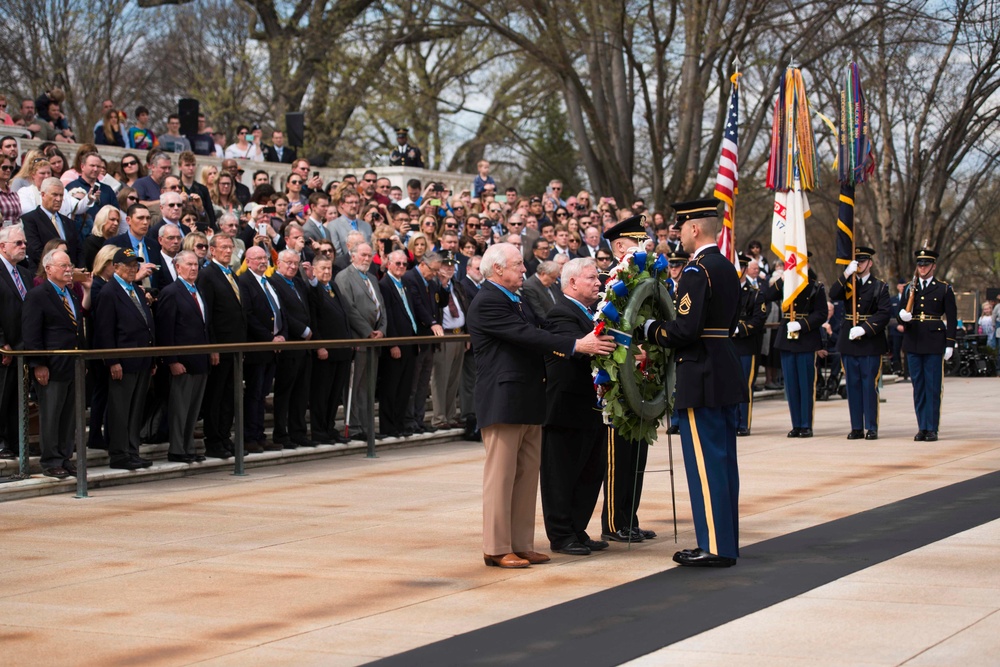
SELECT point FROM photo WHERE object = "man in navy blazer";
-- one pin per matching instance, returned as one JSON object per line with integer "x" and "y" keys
{"x": 14, "y": 283}
{"x": 146, "y": 248}
{"x": 510, "y": 404}
{"x": 266, "y": 321}
{"x": 44, "y": 223}
{"x": 395, "y": 382}
{"x": 291, "y": 379}
{"x": 123, "y": 319}
{"x": 227, "y": 323}
{"x": 53, "y": 320}
{"x": 424, "y": 292}
{"x": 183, "y": 319}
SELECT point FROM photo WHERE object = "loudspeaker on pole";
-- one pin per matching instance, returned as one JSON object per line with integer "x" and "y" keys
{"x": 295, "y": 128}
{"x": 187, "y": 109}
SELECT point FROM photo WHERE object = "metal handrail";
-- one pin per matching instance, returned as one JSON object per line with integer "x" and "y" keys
{"x": 80, "y": 356}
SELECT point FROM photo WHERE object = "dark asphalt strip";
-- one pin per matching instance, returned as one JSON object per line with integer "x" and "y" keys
{"x": 631, "y": 620}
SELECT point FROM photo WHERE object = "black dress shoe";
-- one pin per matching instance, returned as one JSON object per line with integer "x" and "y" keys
{"x": 217, "y": 452}
{"x": 647, "y": 534}
{"x": 145, "y": 463}
{"x": 930, "y": 436}
{"x": 673, "y": 430}
{"x": 70, "y": 468}
{"x": 197, "y": 458}
{"x": 794, "y": 433}
{"x": 805, "y": 433}
{"x": 624, "y": 535}
{"x": 125, "y": 465}
{"x": 743, "y": 432}
{"x": 855, "y": 434}
{"x": 920, "y": 436}
{"x": 7, "y": 454}
{"x": 701, "y": 558}
{"x": 360, "y": 435}
{"x": 871, "y": 435}
{"x": 340, "y": 439}
{"x": 595, "y": 545}
{"x": 574, "y": 549}
{"x": 380, "y": 436}
{"x": 180, "y": 458}
{"x": 300, "y": 441}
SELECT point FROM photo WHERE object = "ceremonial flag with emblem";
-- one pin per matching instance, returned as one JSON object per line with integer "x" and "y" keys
{"x": 726, "y": 184}
{"x": 788, "y": 232}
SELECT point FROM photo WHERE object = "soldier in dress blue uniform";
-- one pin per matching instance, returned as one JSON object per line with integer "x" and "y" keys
{"x": 405, "y": 155}
{"x": 708, "y": 392}
{"x": 626, "y": 458}
{"x": 749, "y": 333}
{"x": 676, "y": 261}
{"x": 928, "y": 340}
{"x": 798, "y": 341}
{"x": 862, "y": 344}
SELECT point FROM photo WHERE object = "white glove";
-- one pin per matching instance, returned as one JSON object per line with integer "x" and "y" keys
{"x": 948, "y": 351}
{"x": 736, "y": 331}
{"x": 856, "y": 332}
{"x": 794, "y": 326}
{"x": 775, "y": 277}
{"x": 851, "y": 268}
{"x": 905, "y": 315}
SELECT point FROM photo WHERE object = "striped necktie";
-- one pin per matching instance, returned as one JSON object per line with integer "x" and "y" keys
{"x": 69, "y": 309}
{"x": 18, "y": 282}
{"x": 232, "y": 283}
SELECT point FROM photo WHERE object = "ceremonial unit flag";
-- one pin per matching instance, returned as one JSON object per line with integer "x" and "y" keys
{"x": 788, "y": 240}
{"x": 726, "y": 184}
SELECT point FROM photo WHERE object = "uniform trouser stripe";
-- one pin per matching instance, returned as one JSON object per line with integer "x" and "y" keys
{"x": 706, "y": 491}
{"x": 609, "y": 493}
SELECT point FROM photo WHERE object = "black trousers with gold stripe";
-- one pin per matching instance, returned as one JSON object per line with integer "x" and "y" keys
{"x": 622, "y": 486}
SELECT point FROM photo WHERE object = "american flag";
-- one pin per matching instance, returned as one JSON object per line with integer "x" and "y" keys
{"x": 726, "y": 183}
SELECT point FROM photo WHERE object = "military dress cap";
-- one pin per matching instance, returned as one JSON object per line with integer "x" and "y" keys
{"x": 448, "y": 257}
{"x": 125, "y": 255}
{"x": 692, "y": 210}
{"x": 400, "y": 131}
{"x": 927, "y": 254}
{"x": 678, "y": 256}
{"x": 862, "y": 253}
{"x": 631, "y": 228}
{"x": 743, "y": 259}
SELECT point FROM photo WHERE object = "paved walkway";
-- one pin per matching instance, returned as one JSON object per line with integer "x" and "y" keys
{"x": 346, "y": 560}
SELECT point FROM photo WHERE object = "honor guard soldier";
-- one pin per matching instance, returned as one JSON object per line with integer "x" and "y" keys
{"x": 676, "y": 261}
{"x": 862, "y": 342}
{"x": 749, "y": 333}
{"x": 798, "y": 340}
{"x": 405, "y": 155}
{"x": 707, "y": 302}
{"x": 626, "y": 458}
{"x": 929, "y": 316}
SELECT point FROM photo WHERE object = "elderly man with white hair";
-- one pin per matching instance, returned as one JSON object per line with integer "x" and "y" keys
{"x": 53, "y": 320}
{"x": 510, "y": 405}
{"x": 46, "y": 222}
{"x": 171, "y": 207}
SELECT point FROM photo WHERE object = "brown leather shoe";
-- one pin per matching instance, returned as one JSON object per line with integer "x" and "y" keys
{"x": 509, "y": 561}
{"x": 533, "y": 557}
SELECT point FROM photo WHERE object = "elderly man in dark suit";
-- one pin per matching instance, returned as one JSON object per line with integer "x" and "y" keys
{"x": 266, "y": 321}
{"x": 52, "y": 319}
{"x": 366, "y": 315}
{"x": 14, "y": 283}
{"x": 123, "y": 319}
{"x": 291, "y": 380}
{"x": 227, "y": 323}
{"x": 574, "y": 454}
{"x": 540, "y": 291}
{"x": 46, "y": 223}
{"x": 470, "y": 284}
{"x": 395, "y": 382}
{"x": 510, "y": 405}
{"x": 424, "y": 292}
{"x": 182, "y": 319}
{"x": 331, "y": 367}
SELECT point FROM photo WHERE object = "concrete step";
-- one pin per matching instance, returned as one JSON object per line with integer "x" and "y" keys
{"x": 100, "y": 475}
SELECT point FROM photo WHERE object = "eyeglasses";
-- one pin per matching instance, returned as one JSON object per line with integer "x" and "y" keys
{"x": 397, "y": 263}
{"x": 130, "y": 163}
{"x": 174, "y": 204}
{"x": 562, "y": 215}
{"x": 6, "y": 167}
{"x": 603, "y": 259}
{"x": 131, "y": 198}
{"x": 295, "y": 182}
{"x": 326, "y": 252}
{"x": 370, "y": 180}
{"x": 494, "y": 210}
{"x": 204, "y": 246}
{"x": 16, "y": 243}
{"x": 472, "y": 225}
{"x": 515, "y": 224}
{"x": 451, "y": 225}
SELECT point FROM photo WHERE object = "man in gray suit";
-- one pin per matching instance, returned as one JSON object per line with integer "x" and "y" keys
{"x": 367, "y": 319}
{"x": 347, "y": 201}
{"x": 313, "y": 228}
{"x": 540, "y": 290}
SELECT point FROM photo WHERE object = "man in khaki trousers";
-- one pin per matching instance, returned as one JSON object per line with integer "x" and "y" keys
{"x": 510, "y": 405}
